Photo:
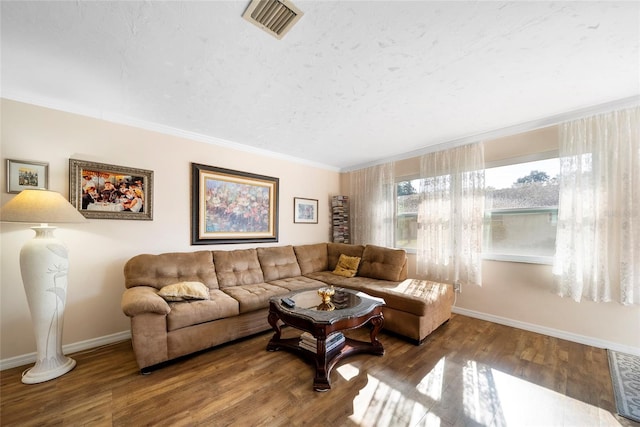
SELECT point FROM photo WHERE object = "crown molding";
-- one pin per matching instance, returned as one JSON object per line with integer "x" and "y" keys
{"x": 156, "y": 127}
{"x": 438, "y": 146}
{"x": 628, "y": 102}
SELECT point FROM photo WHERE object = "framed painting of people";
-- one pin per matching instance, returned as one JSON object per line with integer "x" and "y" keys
{"x": 26, "y": 175}
{"x": 229, "y": 206}
{"x": 104, "y": 191}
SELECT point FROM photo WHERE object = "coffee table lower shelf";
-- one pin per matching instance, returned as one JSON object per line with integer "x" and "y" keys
{"x": 324, "y": 363}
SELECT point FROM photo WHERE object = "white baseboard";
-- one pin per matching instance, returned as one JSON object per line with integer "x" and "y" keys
{"x": 27, "y": 359}
{"x": 557, "y": 333}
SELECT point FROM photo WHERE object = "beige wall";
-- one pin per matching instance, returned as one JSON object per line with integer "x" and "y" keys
{"x": 520, "y": 294}
{"x": 512, "y": 293}
{"x": 99, "y": 249}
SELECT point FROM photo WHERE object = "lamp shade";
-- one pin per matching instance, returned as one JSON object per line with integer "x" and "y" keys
{"x": 40, "y": 206}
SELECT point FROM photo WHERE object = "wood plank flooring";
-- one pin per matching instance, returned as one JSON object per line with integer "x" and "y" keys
{"x": 468, "y": 372}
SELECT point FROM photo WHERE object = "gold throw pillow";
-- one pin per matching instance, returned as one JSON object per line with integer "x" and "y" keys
{"x": 347, "y": 266}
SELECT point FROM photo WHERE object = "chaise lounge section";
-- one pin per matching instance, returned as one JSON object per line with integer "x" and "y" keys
{"x": 239, "y": 284}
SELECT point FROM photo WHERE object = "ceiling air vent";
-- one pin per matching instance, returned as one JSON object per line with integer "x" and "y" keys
{"x": 276, "y": 17}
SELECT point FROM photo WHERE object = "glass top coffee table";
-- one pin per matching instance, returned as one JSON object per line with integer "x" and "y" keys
{"x": 323, "y": 322}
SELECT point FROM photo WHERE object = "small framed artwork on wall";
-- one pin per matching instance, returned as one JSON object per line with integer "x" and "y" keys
{"x": 103, "y": 191}
{"x": 26, "y": 175}
{"x": 305, "y": 211}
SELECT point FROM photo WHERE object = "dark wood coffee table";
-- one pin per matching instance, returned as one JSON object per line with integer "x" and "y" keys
{"x": 353, "y": 309}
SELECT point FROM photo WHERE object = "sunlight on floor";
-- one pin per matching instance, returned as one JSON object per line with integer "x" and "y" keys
{"x": 479, "y": 398}
{"x": 379, "y": 404}
{"x": 467, "y": 394}
{"x": 431, "y": 384}
{"x": 493, "y": 397}
{"x": 348, "y": 371}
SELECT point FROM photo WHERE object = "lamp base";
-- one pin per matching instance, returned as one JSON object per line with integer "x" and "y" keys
{"x": 44, "y": 262}
{"x": 48, "y": 369}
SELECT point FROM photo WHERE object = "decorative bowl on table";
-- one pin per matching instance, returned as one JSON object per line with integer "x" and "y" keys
{"x": 326, "y": 293}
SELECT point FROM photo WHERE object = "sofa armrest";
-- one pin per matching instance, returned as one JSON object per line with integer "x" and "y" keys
{"x": 143, "y": 299}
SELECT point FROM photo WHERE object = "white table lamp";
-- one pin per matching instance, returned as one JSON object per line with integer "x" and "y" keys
{"x": 44, "y": 262}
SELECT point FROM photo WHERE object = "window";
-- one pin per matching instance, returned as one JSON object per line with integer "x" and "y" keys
{"x": 407, "y": 200}
{"x": 521, "y": 211}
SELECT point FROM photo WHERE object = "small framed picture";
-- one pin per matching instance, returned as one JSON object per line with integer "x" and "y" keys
{"x": 305, "y": 211}
{"x": 26, "y": 175}
{"x": 104, "y": 191}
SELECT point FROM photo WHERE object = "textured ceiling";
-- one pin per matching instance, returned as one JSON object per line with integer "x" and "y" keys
{"x": 353, "y": 82}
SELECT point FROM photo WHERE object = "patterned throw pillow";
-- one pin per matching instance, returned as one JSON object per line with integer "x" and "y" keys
{"x": 347, "y": 266}
{"x": 185, "y": 291}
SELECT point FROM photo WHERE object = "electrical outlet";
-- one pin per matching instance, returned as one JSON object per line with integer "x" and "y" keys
{"x": 457, "y": 287}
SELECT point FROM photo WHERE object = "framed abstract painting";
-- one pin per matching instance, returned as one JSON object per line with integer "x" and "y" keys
{"x": 230, "y": 206}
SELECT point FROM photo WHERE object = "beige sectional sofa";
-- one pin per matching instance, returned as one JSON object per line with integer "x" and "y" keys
{"x": 241, "y": 282}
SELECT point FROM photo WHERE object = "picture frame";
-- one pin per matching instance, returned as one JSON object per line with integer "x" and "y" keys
{"x": 104, "y": 191}
{"x": 229, "y": 206}
{"x": 305, "y": 211}
{"x": 26, "y": 175}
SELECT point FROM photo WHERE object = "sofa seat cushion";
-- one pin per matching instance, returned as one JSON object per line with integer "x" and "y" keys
{"x": 278, "y": 262}
{"x": 356, "y": 282}
{"x": 312, "y": 258}
{"x": 189, "y": 313}
{"x": 298, "y": 283}
{"x": 328, "y": 278}
{"x": 412, "y": 295}
{"x": 237, "y": 267}
{"x": 362, "y": 283}
{"x": 254, "y": 297}
{"x": 383, "y": 263}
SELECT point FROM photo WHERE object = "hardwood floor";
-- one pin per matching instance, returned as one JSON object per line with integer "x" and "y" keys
{"x": 468, "y": 372}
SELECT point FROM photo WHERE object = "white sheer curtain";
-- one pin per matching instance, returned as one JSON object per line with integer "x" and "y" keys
{"x": 372, "y": 198}
{"x": 450, "y": 215}
{"x": 598, "y": 234}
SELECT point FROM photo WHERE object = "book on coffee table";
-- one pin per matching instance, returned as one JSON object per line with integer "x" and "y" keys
{"x": 309, "y": 342}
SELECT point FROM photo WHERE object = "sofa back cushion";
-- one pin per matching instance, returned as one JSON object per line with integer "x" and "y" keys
{"x": 383, "y": 263}
{"x": 166, "y": 269}
{"x": 334, "y": 250}
{"x": 237, "y": 267}
{"x": 278, "y": 263}
{"x": 312, "y": 258}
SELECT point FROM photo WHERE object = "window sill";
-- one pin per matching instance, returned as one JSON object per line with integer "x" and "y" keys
{"x": 527, "y": 259}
